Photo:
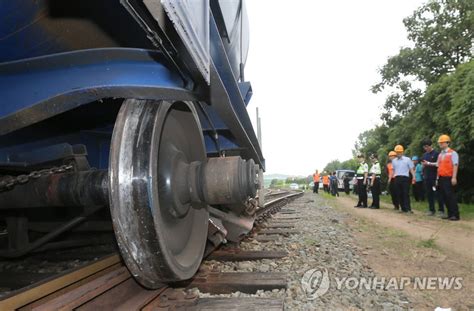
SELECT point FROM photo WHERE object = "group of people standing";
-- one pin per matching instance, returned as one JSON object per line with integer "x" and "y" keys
{"x": 436, "y": 175}
{"x": 368, "y": 179}
{"x": 329, "y": 183}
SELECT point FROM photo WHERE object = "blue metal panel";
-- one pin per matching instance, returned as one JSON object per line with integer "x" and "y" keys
{"x": 19, "y": 36}
{"x": 42, "y": 27}
{"x": 225, "y": 143}
{"x": 97, "y": 147}
{"x": 246, "y": 91}
{"x": 228, "y": 100}
{"x": 34, "y": 89}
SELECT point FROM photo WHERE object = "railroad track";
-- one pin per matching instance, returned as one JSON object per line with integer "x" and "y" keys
{"x": 107, "y": 284}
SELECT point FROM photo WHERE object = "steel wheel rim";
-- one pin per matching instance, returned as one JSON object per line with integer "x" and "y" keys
{"x": 159, "y": 242}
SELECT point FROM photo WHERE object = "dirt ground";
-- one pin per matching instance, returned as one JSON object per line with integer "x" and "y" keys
{"x": 400, "y": 245}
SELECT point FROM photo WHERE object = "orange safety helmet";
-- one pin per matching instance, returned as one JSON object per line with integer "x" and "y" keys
{"x": 444, "y": 139}
{"x": 392, "y": 154}
{"x": 399, "y": 149}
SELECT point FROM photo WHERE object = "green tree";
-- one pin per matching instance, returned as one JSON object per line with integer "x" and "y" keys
{"x": 350, "y": 164}
{"x": 430, "y": 88}
{"x": 274, "y": 182}
{"x": 332, "y": 166}
{"x": 446, "y": 107}
{"x": 442, "y": 36}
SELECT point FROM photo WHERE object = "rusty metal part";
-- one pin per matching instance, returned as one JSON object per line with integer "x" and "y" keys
{"x": 237, "y": 226}
{"x": 225, "y": 180}
{"x": 87, "y": 188}
{"x": 9, "y": 182}
{"x": 216, "y": 232}
{"x": 216, "y": 181}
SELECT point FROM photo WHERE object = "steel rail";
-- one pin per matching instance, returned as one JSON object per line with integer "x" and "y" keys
{"x": 113, "y": 262}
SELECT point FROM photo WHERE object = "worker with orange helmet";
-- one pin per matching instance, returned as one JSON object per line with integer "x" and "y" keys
{"x": 391, "y": 180}
{"x": 430, "y": 174}
{"x": 448, "y": 163}
{"x": 402, "y": 167}
{"x": 316, "y": 182}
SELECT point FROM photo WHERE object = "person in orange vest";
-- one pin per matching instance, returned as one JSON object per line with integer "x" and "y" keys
{"x": 391, "y": 181}
{"x": 326, "y": 183}
{"x": 316, "y": 182}
{"x": 448, "y": 163}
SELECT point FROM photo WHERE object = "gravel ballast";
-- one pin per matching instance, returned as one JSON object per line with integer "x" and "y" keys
{"x": 323, "y": 243}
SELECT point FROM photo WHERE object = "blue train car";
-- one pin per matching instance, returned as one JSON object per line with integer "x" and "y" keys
{"x": 137, "y": 107}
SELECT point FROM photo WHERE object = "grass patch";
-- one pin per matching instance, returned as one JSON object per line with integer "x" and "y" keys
{"x": 310, "y": 242}
{"x": 429, "y": 243}
{"x": 395, "y": 233}
{"x": 326, "y": 195}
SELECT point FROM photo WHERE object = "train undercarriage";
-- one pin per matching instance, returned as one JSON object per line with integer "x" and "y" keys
{"x": 149, "y": 139}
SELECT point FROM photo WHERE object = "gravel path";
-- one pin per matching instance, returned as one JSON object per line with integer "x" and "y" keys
{"x": 324, "y": 243}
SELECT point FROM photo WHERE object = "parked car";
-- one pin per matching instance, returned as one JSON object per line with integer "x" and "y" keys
{"x": 340, "y": 174}
{"x": 294, "y": 186}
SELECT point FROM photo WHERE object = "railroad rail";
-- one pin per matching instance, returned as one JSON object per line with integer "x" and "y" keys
{"x": 108, "y": 284}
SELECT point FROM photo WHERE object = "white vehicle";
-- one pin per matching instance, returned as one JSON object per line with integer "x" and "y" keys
{"x": 340, "y": 174}
{"x": 294, "y": 186}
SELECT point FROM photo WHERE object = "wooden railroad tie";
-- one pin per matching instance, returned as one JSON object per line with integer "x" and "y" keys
{"x": 279, "y": 225}
{"x": 240, "y": 255}
{"x": 278, "y": 231}
{"x": 244, "y": 282}
{"x": 285, "y": 218}
{"x": 175, "y": 299}
{"x": 267, "y": 238}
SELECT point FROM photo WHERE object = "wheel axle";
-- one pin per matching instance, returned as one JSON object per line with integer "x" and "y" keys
{"x": 230, "y": 180}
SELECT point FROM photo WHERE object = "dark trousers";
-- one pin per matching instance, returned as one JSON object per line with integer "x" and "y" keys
{"x": 375, "y": 189}
{"x": 419, "y": 191}
{"x": 347, "y": 190}
{"x": 334, "y": 188}
{"x": 316, "y": 187}
{"x": 432, "y": 195}
{"x": 446, "y": 191}
{"x": 326, "y": 188}
{"x": 402, "y": 183}
{"x": 393, "y": 193}
{"x": 362, "y": 192}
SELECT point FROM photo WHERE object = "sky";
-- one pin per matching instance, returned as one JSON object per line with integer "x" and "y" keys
{"x": 311, "y": 64}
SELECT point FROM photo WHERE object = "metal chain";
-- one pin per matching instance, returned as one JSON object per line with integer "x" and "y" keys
{"x": 10, "y": 182}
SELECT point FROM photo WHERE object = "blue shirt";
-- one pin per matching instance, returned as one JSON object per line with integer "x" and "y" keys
{"x": 419, "y": 172}
{"x": 430, "y": 172}
{"x": 401, "y": 166}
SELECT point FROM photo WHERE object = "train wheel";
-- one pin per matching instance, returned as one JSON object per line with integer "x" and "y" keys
{"x": 161, "y": 239}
